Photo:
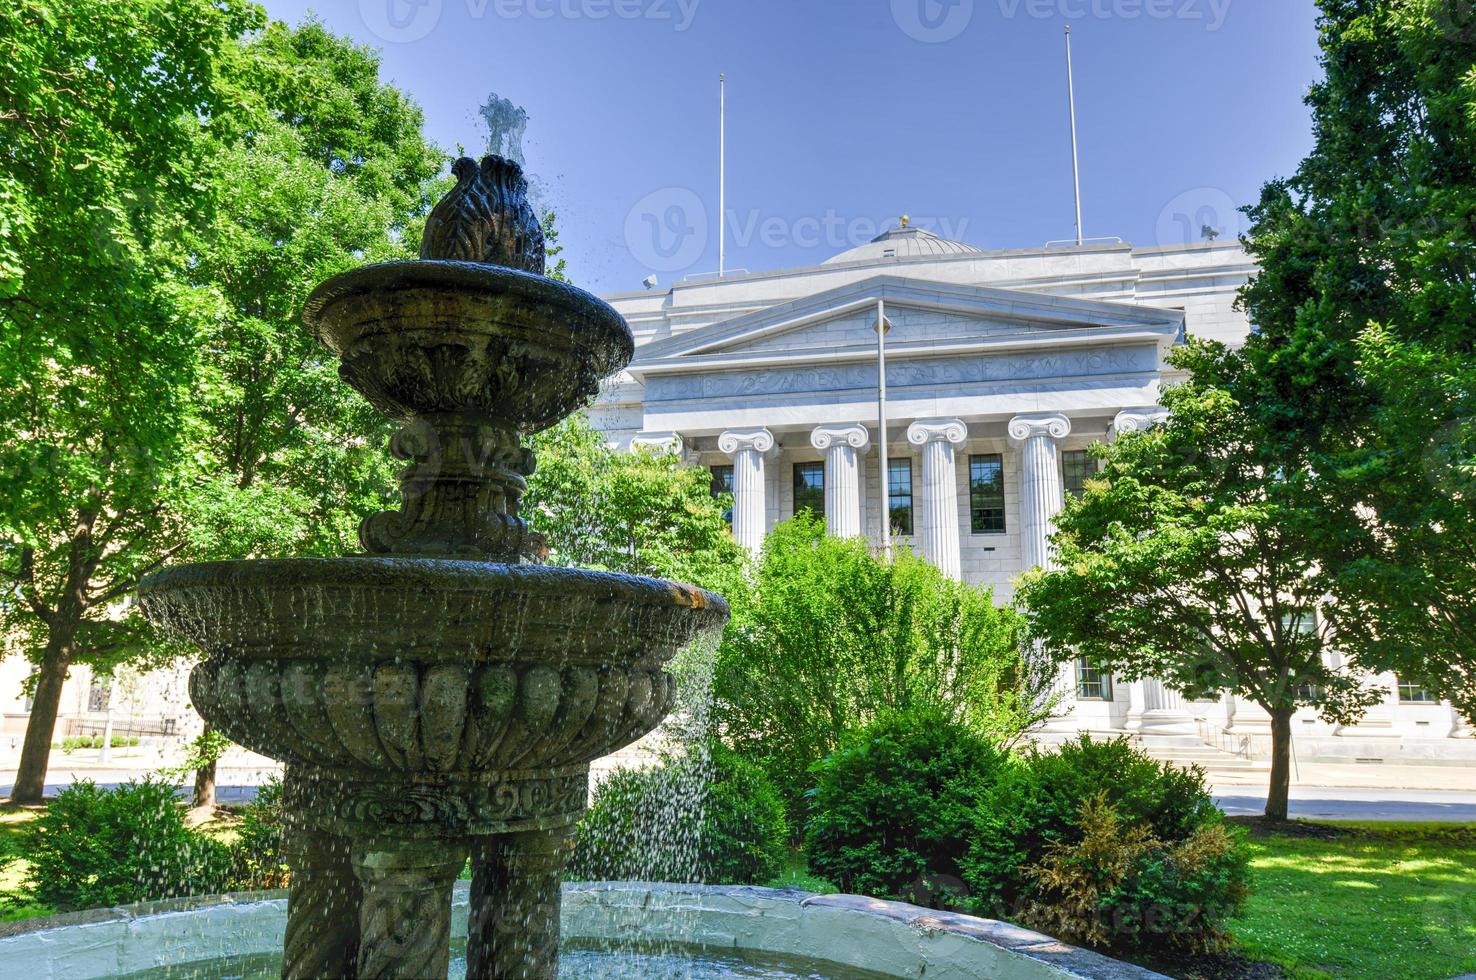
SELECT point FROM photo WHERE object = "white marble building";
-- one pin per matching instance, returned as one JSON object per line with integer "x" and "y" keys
{"x": 1002, "y": 367}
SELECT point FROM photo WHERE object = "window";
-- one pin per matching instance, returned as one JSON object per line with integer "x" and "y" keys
{"x": 1414, "y": 694}
{"x": 98, "y": 696}
{"x": 899, "y": 486}
{"x": 809, "y": 488}
{"x": 1092, "y": 684}
{"x": 1077, "y": 466}
{"x": 986, "y": 494}
{"x": 722, "y": 480}
{"x": 722, "y": 483}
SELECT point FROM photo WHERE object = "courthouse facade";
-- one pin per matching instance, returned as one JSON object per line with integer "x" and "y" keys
{"x": 1002, "y": 367}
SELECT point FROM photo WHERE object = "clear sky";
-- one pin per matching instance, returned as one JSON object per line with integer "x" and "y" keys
{"x": 843, "y": 114}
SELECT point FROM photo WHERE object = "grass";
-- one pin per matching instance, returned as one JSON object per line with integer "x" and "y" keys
{"x": 1354, "y": 901}
{"x": 13, "y": 867}
{"x": 796, "y": 874}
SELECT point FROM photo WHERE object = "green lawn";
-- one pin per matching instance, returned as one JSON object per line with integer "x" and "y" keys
{"x": 1369, "y": 901}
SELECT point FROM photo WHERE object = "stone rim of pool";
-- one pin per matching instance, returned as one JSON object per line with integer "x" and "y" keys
{"x": 890, "y": 938}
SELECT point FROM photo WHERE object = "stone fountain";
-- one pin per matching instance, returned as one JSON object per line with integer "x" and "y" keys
{"x": 442, "y": 696}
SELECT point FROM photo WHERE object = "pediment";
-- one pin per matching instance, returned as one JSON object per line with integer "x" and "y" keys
{"x": 923, "y": 317}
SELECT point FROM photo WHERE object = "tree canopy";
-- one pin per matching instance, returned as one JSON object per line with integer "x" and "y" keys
{"x": 1365, "y": 316}
{"x": 1193, "y": 557}
{"x": 178, "y": 174}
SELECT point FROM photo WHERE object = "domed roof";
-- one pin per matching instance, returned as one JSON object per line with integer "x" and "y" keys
{"x": 903, "y": 242}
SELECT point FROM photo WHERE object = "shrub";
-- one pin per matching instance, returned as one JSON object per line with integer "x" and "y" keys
{"x": 837, "y": 637}
{"x": 892, "y": 813}
{"x": 259, "y": 859}
{"x": 1121, "y": 888}
{"x": 74, "y": 742}
{"x": 707, "y": 816}
{"x": 95, "y": 847}
{"x": 1037, "y": 803}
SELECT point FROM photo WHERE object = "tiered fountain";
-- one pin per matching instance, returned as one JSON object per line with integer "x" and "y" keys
{"x": 442, "y": 696}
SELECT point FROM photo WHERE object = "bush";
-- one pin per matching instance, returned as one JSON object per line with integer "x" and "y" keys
{"x": 95, "y": 847}
{"x": 837, "y": 637}
{"x": 1121, "y": 888}
{"x": 73, "y": 742}
{"x": 708, "y": 816}
{"x": 892, "y": 813}
{"x": 259, "y": 859}
{"x": 1037, "y": 804}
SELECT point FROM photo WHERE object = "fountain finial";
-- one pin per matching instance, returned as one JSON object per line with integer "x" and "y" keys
{"x": 486, "y": 218}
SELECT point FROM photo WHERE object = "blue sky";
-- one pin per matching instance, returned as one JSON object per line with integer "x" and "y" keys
{"x": 843, "y": 114}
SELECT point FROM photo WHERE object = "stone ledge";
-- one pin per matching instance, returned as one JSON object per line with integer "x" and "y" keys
{"x": 890, "y": 938}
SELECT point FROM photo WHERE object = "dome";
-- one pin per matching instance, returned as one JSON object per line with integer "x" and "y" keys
{"x": 904, "y": 242}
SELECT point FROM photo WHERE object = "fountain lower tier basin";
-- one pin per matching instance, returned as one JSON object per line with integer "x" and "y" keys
{"x": 440, "y": 670}
{"x": 611, "y": 930}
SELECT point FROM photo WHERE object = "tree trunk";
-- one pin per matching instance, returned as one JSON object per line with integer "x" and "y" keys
{"x": 30, "y": 779}
{"x": 205, "y": 777}
{"x": 1281, "y": 738}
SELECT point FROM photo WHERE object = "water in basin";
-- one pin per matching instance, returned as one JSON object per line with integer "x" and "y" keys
{"x": 577, "y": 963}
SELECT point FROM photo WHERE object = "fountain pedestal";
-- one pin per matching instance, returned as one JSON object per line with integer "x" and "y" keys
{"x": 442, "y": 695}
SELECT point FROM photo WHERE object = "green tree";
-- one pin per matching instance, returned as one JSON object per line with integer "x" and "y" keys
{"x": 640, "y": 512}
{"x": 169, "y": 404}
{"x": 1194, "y": 557}
{"x": 1365, "y": 309}
{"x": 102, "y": 105}
{"x": 836, "y": 637}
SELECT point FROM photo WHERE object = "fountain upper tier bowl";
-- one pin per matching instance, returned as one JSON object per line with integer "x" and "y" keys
{"x": 425, "y": 338}
{"x": 429, "y": 666}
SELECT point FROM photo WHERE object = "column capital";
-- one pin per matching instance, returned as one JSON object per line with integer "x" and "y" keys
{"x": 853, "y": 435}
{"x": 659, "y": 441}
{"x": 924, "y": 431}
{"x": 735, "y": 441}
{"x": 1052, "y": 425}
{"x": 1139, "y": 419}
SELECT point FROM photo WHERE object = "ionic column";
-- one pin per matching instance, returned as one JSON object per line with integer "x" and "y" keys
{"x": 748, "y": 448}
{"x": 1041, "y": 498}
{"x": 1041, "y": 493}
{"x": 1164, "y": 712}
{"x": 841, "y": 445}
{"x": 938, "y": 513}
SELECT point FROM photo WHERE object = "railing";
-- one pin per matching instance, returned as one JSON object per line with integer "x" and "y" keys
{"x": 122, "y": 727}
{"x": 1237, "y": 745}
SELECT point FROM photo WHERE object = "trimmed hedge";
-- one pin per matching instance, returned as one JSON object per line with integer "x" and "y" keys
{"x": 893, "y": 811}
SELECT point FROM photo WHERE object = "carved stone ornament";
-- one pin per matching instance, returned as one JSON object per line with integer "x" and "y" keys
{"x": 924, "y": 431}
{"x": 854, "y": 436}
{"x": 1050, "y": 425}
{"x": 486, "y": 218}
{"x": 1139, "y": 419}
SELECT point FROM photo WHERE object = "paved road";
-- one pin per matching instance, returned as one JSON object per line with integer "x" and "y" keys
{"x": 233, "y": 785}
{"x": 1328, "y": 803}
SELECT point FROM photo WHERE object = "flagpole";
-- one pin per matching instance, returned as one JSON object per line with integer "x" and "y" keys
{"x": 881, "y": 416}
{"x": 1075, "y": 159}
{"x": 722, "y": 172}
